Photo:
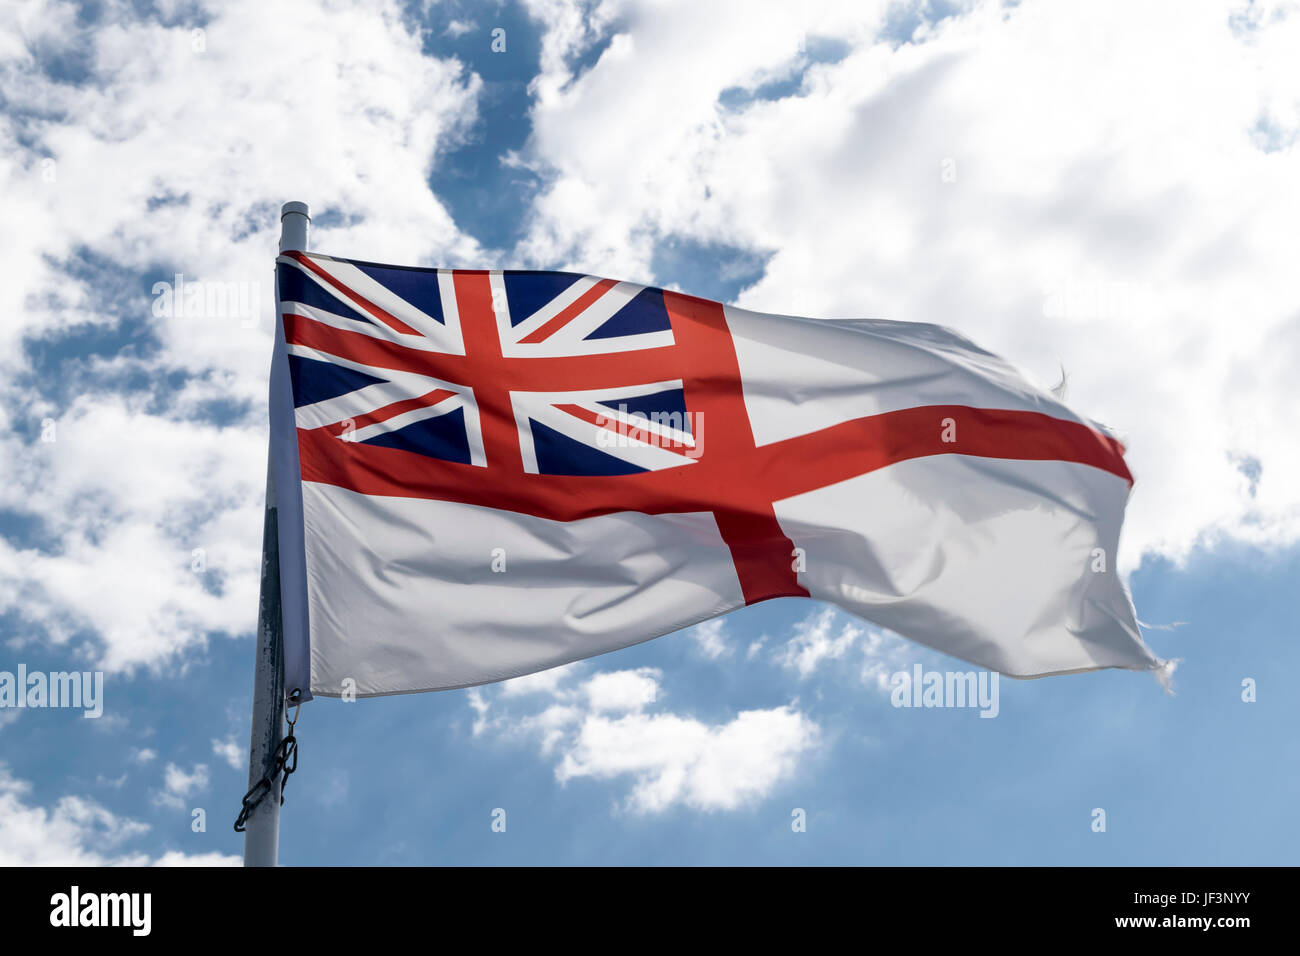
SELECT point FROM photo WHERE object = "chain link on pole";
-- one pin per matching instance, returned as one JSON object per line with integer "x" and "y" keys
{"x": 286, "y": 760}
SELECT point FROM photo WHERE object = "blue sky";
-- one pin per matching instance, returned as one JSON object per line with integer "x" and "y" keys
{"x": 798, "y": 164}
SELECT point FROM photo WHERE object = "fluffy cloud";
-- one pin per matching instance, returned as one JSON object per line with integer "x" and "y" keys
{"x": 1104, "y": 187}
{"x": 710, "y": 638}
{"x": 622, "y": 691}
{"x": 178, "y": 785}
{"x": 829, "y": 634}
{"x": 154, "y": 520}
{"x": 678, "y": 760}
{"x": 134, "y": 147}
{"x": 814, "y": 641}
{"x": 231, "y": 752}
{"x": 76, "y": 831}
{"x": 604, "y": 728}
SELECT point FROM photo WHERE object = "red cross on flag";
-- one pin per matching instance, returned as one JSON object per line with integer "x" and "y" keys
{"x": 482, "y": 474}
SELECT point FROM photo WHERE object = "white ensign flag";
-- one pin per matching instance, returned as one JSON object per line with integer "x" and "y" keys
{"x": 484, "y": 474}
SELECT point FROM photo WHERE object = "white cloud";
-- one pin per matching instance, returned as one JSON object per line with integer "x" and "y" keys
{"x": 604, "y": 728}
{"x": 76, "y": 831}
{"x": 571, "y": 28}
{"x": 173, "y": 156}
{"x": 885, "y": 654}
{"x": 622, "y": 691}
{"x": 478, "y": 703}
{"x": 542, "y": 682}
{"x": 1103, "y": 186}
{"x": 121, "y": 481}
{"x": 231, "y": 752}
{"x": 710, "y": 638}
{"x": 144, "y": 755}
{"x": 179, "y": 786}
{"x": 829, "y": 634}
{"x": 815, "y": 640}
{"x": 553, "y": 727}
{"x": 673, "y": 759}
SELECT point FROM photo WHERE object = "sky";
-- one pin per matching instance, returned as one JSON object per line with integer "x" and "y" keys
{"x": 1105, "y": 191}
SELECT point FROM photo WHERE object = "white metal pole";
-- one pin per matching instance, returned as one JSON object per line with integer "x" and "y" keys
{"x": 293, "y": 226}
{"x": 262, "y": 828}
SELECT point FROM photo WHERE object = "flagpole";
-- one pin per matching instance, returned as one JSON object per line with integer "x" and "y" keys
{"x": 262, "y": 827}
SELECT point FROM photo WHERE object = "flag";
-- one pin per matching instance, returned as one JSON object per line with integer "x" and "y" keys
{"x": 483, "y": 474}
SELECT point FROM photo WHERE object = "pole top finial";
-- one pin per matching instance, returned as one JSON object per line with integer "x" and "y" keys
{"x": 294, "y": 207}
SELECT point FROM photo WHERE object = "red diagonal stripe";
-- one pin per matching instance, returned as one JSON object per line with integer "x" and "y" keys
{"x": 545, "y": 331}
{"x": 392, "y": 410}
{"x": 392, "y": 321}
